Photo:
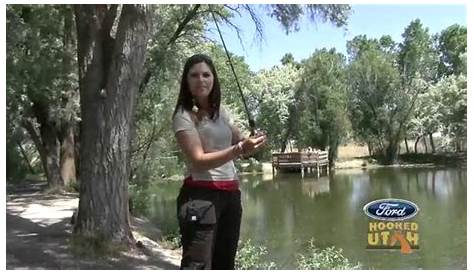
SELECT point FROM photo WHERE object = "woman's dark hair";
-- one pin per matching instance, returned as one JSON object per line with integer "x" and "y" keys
{"x": 185, "y": 98}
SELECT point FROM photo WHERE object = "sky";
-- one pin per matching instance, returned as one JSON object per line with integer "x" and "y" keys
{"x": 372, "y": 20}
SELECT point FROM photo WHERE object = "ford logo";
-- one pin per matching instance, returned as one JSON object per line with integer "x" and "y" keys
{"x": 391, "y": 209}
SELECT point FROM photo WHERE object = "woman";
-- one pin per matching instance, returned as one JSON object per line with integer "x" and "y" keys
{"x": 209, "y": 205}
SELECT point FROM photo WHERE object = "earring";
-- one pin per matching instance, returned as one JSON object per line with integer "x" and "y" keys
{"x": 195, "y": 107}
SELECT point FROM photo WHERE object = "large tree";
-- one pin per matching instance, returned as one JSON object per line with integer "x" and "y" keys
{"x": 323, "y": 109}
{"x": 452, "y": 44}
{"x": 417, "y": 55}
{"x": 387, "y": 84}
{"x": 111, "y": 60}
{"x": 418, "y": 61}
{"x": 375, "y": 99}
{"x": 42, "y": 84}
{"x": 274, "y": 92}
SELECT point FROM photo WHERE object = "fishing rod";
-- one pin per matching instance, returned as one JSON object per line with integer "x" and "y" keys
{"x": 250, "y": 119}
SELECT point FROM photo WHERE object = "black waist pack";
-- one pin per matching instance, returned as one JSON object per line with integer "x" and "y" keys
{"x": 198, "y": 212}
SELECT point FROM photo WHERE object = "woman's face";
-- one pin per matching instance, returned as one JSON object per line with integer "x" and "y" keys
{"x": 200, "y": 80}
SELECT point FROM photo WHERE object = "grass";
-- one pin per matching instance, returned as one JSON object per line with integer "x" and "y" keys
{"x": 352, "y": 150}
{"x": 354, "y": 155}
{"x": 451, "y": 159}
{"x": 95, "y": 246}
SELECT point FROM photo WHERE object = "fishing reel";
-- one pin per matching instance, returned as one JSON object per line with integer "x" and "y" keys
{"x": 256, "y": 132}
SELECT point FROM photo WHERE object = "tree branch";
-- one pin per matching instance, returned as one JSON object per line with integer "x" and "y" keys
{"x": 25, "y": 157}
{"x": 236, "y": 10}
{"x": 30, "y": 128}
{"x": 189, "y": 16}
{"x": 148, "y": 73}
{"x": 229, "y": 23}
{"x": 109, "y": 19}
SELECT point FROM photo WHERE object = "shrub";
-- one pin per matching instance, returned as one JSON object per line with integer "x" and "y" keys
{"x": 250, "y": 256}
{"x": 315, "y": 258}
{"x": 171, "y": 239}
{"x": 139, "y": 198}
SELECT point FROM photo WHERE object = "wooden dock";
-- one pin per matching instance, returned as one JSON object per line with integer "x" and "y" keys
{"x": 303, "y": 160}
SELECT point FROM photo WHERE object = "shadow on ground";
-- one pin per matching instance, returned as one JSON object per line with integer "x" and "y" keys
{"x": 42, "y": 239}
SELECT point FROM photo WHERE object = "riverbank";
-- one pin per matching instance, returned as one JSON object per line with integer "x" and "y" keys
{"x": 404, "y": 160}
{"x": 39, "y": 237}
{"x": 407, "y": 160}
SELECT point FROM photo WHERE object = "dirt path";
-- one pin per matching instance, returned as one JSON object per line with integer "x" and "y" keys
{"x": 38, "y": 232}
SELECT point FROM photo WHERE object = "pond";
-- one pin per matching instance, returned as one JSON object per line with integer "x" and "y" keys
{"x": 283, "y": 213}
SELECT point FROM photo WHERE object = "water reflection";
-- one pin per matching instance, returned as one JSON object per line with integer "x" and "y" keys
{"x": 315, "y": 186}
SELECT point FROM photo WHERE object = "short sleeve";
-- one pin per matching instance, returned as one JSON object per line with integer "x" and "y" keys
{"x": 182, "y": 121}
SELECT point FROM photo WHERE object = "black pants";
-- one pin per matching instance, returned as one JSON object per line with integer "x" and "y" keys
{"x": 209, "y": 223}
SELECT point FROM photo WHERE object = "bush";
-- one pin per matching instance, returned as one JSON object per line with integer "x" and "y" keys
{"x": 154, "y": 170}
{"x": 171, "y": 239}
{"x": 16, "y": 169}
{"x": 250, "y": 256}
{"x": 72, "y": 186}
{"x": 324, "y": 259}
{"x": 139, "y": 198}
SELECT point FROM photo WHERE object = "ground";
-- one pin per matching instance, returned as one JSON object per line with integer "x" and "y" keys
{"x": 38, "y": 233}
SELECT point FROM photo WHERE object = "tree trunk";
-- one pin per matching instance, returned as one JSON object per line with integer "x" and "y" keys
{"x": 109, "y": 72}
{"x": 52, "y": 149}
{"x": 381, "y": 147}
{"x": 46, "y": 142}
{"x": 433, "y": 149}
{"x": 30, "y": 128}
{"x": 391, "y": 153}
{"x": 77, "y": 150}
{"x": 416, "y": 143}
{"x": 68, "y": 166}
{"x": 284, "y": 142}
{"x": 406, "y": 146}
{"x": 369, "y": 146}
{"x": 332, "y": 153}
{"x": 292, "y": 124}
{"x": 425, "y": 144}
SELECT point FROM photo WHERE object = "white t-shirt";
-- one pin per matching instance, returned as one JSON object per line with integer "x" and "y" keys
{"x": 214, "y": 135}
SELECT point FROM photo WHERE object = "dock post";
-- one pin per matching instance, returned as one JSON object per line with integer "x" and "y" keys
{"x": 317, "y": 170}
{"x": 302, "y": 171}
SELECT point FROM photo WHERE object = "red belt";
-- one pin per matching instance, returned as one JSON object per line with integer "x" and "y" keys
{"x": 232, "y": 185}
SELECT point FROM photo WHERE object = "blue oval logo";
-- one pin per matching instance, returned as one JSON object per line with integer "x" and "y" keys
{"x": 391, "y": 209}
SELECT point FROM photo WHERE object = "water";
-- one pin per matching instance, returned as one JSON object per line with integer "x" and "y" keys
{"x": 285, "y": 213}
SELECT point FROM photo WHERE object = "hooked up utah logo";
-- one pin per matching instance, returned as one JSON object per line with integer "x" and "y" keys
{"x": 392, "y": 231}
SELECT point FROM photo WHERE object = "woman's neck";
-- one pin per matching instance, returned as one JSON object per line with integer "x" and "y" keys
{"x": 203, "y": 103}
